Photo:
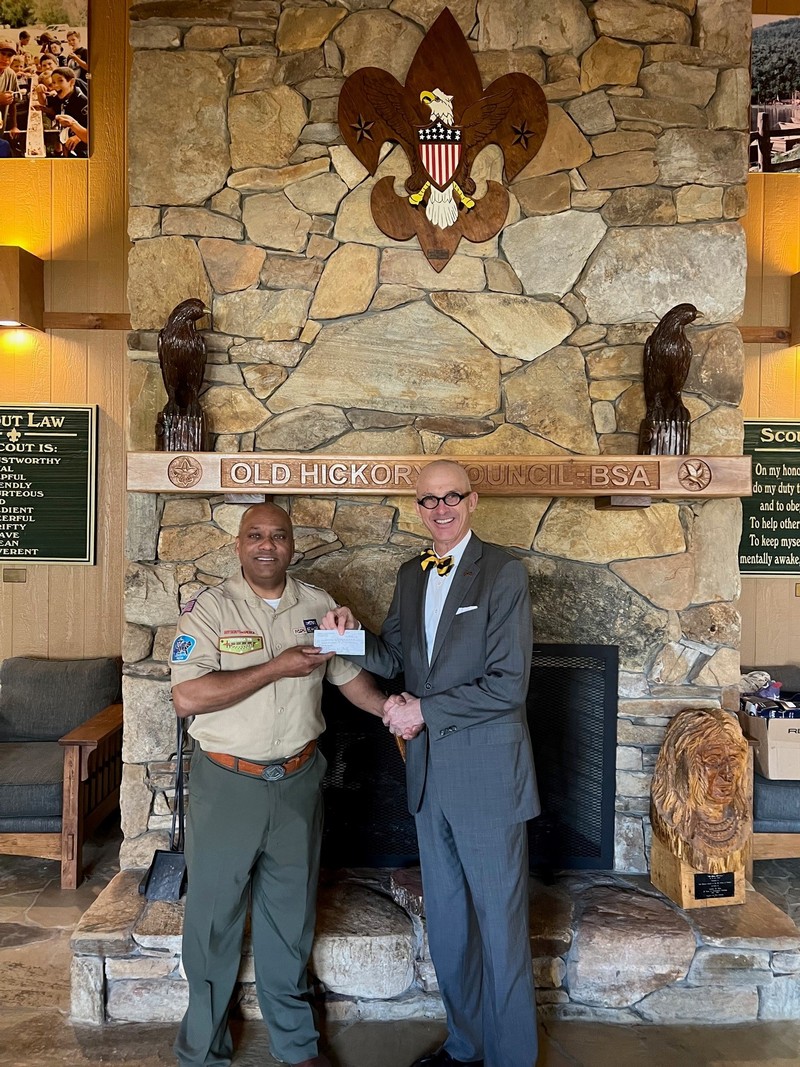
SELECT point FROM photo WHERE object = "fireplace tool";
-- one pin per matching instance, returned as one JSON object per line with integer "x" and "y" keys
{"x": 166, "y": 876}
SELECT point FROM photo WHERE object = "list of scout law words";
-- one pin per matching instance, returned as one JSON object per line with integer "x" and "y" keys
{"x": 46, "y": 483}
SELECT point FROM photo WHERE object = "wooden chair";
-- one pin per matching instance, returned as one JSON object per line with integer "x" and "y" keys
{"x": 772, "y": 838}
{"x": 60, "y": 756}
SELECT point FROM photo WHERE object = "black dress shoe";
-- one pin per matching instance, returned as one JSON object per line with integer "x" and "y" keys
{"x": 442, "y": 1058}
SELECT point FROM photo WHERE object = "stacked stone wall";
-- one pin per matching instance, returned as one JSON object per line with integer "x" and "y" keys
{"x": 329, "y": 336}
{"x": 604, "y": 947}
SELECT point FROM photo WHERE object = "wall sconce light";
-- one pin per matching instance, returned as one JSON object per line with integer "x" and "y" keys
{"x": 21, "y": 288}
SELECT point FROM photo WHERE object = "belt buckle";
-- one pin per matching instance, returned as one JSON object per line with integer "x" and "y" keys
{"x": 274, "y": 772}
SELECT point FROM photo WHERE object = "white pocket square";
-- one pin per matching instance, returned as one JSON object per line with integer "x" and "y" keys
{"x": 472, "y": 607}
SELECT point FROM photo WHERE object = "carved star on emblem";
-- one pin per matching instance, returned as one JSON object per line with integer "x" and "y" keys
{"x": 362, "y": 128}
{"x": 522, "y": 134}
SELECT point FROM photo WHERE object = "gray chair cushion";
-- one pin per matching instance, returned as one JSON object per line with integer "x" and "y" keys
{"x": 776, "y": 806}
{"x": 31, "y": 826}
{"x": 43, "y": 699}
{"x": 31, "y": 777}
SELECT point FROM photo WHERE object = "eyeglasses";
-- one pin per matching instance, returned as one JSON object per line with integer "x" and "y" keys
{"x": 451, "y": 499}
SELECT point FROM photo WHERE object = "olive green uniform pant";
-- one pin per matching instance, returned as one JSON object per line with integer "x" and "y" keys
{"x": 250, "y": 839}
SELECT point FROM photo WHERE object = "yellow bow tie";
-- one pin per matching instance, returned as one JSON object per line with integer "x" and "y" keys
{"x": 443, "y": 564}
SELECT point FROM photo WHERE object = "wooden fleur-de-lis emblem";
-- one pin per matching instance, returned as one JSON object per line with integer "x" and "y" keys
{"x": 442, "y": 117}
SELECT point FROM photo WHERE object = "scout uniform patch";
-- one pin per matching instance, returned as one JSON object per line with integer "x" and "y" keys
{"x": 182, "y": 648}
{"x": 240, "y": 642}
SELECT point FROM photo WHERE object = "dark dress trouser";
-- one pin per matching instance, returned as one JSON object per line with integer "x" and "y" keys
{"x": 247, "y": 837}
{"x": 475, "y": 885}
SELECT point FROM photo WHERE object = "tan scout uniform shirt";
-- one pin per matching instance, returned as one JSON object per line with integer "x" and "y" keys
{"x": 230, "y": 627}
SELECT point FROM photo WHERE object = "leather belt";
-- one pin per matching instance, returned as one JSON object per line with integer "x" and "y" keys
{"x": 270, "y": 772}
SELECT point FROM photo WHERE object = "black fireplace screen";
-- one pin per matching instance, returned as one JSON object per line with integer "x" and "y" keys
{"x": 572, "y": 715}
{"x": 367, "y": 823}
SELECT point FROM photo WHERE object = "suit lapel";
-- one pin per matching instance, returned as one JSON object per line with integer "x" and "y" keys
{"x": 467, "y": 573}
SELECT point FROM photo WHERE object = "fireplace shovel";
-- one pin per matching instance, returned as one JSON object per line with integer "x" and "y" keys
{"x": 166, "y": 876}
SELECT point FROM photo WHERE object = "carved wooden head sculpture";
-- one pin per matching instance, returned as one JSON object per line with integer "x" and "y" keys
{"x": 698, "y": 799}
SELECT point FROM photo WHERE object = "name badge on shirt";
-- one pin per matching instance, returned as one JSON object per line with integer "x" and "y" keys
{"x": 240, "y": 642}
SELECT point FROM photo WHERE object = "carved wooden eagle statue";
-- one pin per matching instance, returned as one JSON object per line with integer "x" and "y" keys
{"x": 182, "y": 355}
{"x": 667, "y": 355}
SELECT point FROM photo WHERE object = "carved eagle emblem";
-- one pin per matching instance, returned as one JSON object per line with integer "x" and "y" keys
{"x": 442, "y": 118}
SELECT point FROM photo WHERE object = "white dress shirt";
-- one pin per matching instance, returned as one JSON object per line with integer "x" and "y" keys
{"x": 436, "y": 592}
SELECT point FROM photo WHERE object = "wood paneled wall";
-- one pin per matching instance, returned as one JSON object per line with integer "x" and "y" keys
{"x": 72, "y": 214}
{"x": 770, "y": 610}
{"x": 776, "y": 7}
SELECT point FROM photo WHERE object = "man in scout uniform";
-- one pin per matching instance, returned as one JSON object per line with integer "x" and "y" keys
{"x": 244, "y": 664}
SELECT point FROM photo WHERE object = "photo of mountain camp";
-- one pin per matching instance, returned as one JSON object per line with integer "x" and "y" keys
{"x": 775, "y": 97}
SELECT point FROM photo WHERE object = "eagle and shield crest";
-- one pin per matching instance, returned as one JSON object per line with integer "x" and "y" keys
{"x": 442, "y": 118}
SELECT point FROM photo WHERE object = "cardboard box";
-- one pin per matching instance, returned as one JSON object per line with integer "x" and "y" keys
{"x": 778, "y": 753}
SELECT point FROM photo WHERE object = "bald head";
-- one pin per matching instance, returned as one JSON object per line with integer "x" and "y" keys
{"x": 448, "y": 523}
{"x": 265, "y": 547}
{"x": 443, "y": 468}
{"x": 255, "y": 511}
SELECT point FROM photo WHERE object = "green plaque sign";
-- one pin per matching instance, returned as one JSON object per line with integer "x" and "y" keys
{"x": 48, "y": 483}
{"x": 770, "y": 544}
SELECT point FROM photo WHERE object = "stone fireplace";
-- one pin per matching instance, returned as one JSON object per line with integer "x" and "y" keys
{"x": 328, "y": 336}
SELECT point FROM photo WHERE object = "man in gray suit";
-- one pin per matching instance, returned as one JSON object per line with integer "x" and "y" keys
{"x": 459, "y": 627}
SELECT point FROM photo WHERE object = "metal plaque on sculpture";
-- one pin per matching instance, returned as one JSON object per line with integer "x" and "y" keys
{"x": 48, "y": 483}
{"x": 714, "y": 886}
{"x": 770, "y": 544}
{"x": 442, "y": 117}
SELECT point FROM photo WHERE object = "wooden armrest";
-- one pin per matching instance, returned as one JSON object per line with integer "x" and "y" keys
{"x": 96, "y": 729}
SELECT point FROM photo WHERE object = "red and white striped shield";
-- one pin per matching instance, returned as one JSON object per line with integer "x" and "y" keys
{"x": 440, "y": 151}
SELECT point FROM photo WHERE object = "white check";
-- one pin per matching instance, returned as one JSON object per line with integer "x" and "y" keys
{"x": 350, "y": 643}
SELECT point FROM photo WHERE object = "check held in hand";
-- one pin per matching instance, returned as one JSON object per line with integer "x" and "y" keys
{"x": 349, "y": 643}
{"x": 402, "y": 714}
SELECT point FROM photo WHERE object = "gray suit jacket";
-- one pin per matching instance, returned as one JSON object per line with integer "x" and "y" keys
{"x": 476, "y": 748}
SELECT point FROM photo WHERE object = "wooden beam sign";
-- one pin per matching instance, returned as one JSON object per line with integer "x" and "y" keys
{"x": 314, "y": 473}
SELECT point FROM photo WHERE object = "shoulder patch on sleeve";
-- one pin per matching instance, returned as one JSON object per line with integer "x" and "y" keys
{"x": 189, "y": 605}
{"x": 182, "y": 648}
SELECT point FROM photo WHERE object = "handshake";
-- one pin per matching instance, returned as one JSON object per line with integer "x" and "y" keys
{"x": 402, "y": 712}
{"x": 403, "y": 716}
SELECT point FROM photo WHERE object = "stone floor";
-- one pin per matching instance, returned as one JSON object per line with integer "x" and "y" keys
{"x": 36, "y": 919}
{"x": 779, "y": 881}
